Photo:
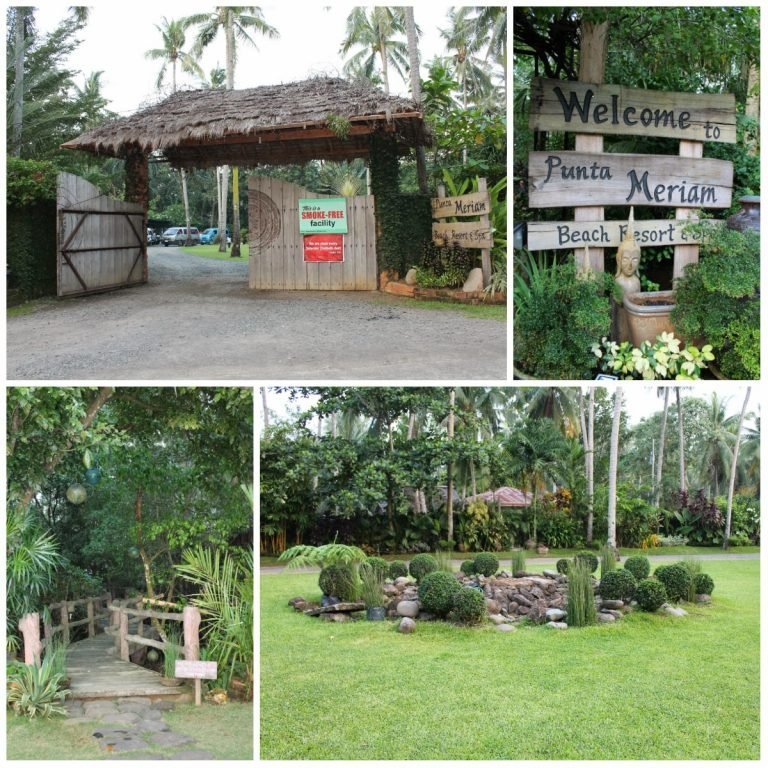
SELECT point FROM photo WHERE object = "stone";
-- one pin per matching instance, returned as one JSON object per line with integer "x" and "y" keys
{"x": 506, "y": 628}
{"x": 408, "y": 608}
{"x": 407, "y": 626}
{"x": 401, "y": 581}
{"x": 129, "y": 744}
{"x": 551, "y": 574}
{"x": 555, "y": 614}
{"x": 606, "y": 618}
{"x": 391, "y": 590}
{"x": 151, "y": 726}
{"x": 99, "y": 708}
{"x": 170, "y": 739}
{"x": 672, "y": 611}
{"x": 612, "y": 604}
{"x": 339, "y": 618}
{"x": 703, "y": 599}
{"x": 492, "y": 607}
{"x": 133, "y": 700}
{"x": 133, "y": 706}
{"x": 150, "y": 714}
{"x": 292, "y": 602}
{"x": 556, "y": 625}
{"x": 474, "y": 281}
{"x": 410, "y": 276}
{"x": 496, "y": 618}
{"x": 162, "y": 705}
{"x": 121, "y": 717}
{"x": 336, "y": 608}
{"x": 615, "y": 614}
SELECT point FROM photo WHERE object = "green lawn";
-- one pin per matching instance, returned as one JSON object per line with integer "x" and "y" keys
{"x": 225, "y": 731}
{"x": 212, "y": 252}
{"x": 649, "y": 687}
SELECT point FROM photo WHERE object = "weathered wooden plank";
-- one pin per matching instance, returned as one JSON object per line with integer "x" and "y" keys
{"x": 559, "y": 105}
{"x": 686, "y": 254}
{"x": 472, "y": 204}
{"x": 470, "y": 234}
{"x": 579, "y": 178}
{"x": 548, "y": 235}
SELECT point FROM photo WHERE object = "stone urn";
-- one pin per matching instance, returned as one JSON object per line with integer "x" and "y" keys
{"x": 648, "y": 314}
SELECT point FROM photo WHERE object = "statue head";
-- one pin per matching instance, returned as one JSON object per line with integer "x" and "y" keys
{"x": 628, "y": 259}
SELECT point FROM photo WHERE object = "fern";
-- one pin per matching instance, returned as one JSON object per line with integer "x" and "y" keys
{"x": 307, "y": 556}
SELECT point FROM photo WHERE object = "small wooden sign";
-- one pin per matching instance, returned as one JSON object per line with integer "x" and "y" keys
{"x": 593, "y": 179}
{"x": 473, "y": 204}
{"x": 201, "y": 670}
{"x": 560, "y": 105}
{"x": 470, "y": 234}
{"x": 323, "y": 248}
{"x": 548, "y": 235}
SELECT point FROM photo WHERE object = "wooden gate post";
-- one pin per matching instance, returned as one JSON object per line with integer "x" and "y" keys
{"x": 29, "y": 626}
{"x": 137, "y": 191}
{"x": 91, "y": 622}
{"x": 124, "y": 653}
{"x": 64, "y": 612}
{"x": 191, "y": 633}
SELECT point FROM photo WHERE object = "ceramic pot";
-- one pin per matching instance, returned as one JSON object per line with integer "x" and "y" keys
{"x": 648, "y": 315}
{"x": 377, "y": 613}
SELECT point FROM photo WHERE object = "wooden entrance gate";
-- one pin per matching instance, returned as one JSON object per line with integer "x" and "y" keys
{"x": 277, "y": 249}
{"x": 101, "y": 242}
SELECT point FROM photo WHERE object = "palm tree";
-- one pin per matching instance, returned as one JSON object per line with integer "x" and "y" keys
{"x": 373, "y": 30}
{"x": 717, "y": 437}
{"x": 734, "y": 467}
{"x": 587, "y": 419}
{"x": 491, "y": 24}
{"x": 680, "y": 439}
{"x": 614, "y": 465}
{"x": 662, "y": 440}
{"x": 171, "y": 53}
{"x": 235, "y": 23}
{"x": 413, "y": 66}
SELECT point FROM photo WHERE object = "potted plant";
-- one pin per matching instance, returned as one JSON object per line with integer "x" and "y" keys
{"x": 372, "y": 594}
{"x": 171, "y": 652}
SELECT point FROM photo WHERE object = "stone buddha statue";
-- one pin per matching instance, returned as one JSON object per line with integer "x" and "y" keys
{"x": 628, "y": 260}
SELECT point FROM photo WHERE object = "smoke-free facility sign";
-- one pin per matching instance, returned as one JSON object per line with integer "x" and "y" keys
{"x": 323, "y": 214}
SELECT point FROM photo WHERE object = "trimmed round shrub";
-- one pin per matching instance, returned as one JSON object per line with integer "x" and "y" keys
{"x": 650, "y": 594}
{"x": 468, "y": 567}
{"x": 376, "y": 564}
{"x": 421, "y": 565}
{"x": 469, "y": 606}
{"x": 436, "y": 592}
{"x": 562, "y": 565}
{"x": 618, "y": 584}
{"x": 338, "y": 581}
{"x": 398, "y": 568}
{"x": 703, "y": 584}
{"x": 589, "y": 559}
{"x": 639, "y": 566}
{"x": 676, "y": 580}
{"x": 486, "y": 563}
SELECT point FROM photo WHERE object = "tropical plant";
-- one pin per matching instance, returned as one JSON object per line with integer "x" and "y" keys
{"x": 225, "y": 600}
{"x": 581, "y": 610}
{"x": 34, "y": 691}
{"x": 171, "y": 652}
{"x": 308, "y": 556}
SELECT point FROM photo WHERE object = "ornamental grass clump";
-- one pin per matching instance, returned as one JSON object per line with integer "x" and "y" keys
{"x": 486, "y": 564}
{"x": 581, "y": 610}
{"x": 676, "y": 580}
{"x": 443, "y": 560}
{"x": 436, "y": 592}
{"x": 398, "y": 569}
{"x": 607, "y": 560}
{"x": 372, "y": 587}
{"x": 639, "y": 566}
{"x": 421, "y": 565}
{"x": 518, "y": 561}
{"x": 469, "y": 606}
{"x": 618, "y": 584}
{"x": 650, "y": 595}
{"x": 694, "y": 569}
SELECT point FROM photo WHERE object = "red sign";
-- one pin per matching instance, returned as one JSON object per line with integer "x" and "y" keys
{"x": 323, "y": 247}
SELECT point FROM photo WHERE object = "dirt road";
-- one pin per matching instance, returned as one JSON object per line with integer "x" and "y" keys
{"x": 196, "y": 319}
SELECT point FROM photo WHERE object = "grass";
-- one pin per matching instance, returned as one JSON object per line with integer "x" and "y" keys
{"x": 27, "y": 308}
{"x": 225, "y": 731}
{"x": 212, "y": 252}
{"x": 479, "y": 311}
{"x": 649, "y": 687}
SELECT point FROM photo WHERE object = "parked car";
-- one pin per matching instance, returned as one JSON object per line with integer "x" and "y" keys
{"x": 210, "y": 234}
{"x": 152, "y": 237}
{"x": 178, "y": 236}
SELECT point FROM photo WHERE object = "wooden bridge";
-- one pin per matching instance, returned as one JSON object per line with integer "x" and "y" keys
{"x": 99, "y": 666}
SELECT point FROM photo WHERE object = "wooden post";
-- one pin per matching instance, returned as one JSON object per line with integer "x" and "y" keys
{"x": 91, "y": 621}
{"x": 65, "y": 621}
{"x": 686, "y": 254}
{"x": 137, "y": 191}
{"x": 485, "y": 223}
{"x": 191, "y": 623}
{"x": 48, "y": 631}
{"x": 594, "y": 40}
{"x": 29, "y": 626}
{"x": 124, "y": 652}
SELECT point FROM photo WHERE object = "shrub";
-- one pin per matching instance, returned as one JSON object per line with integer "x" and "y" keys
{"x": 518, "y": 561}
{"x": 588, "y": 559}
{"x": 703, "y": 584}
{"x": 650, "y": 594}
{"x": 618, "y": 584}
{"x": 563, "y": 565}
{"x": 398, "y": 568}
{"x": 339, "y": 581}
{"x": 436, "y": 592}
{"x": 486, "y": 563}
{"x": 639, "y": 566}
{"x": 469, "y": 605}
{"x": 378, "y": 565}
{"x": 468, "y": 567}
{"x": 676, "y": 581}
{"x": 421, "y": 565}
{"x": 34, "y": 690}
{"x": 581, "y": 609}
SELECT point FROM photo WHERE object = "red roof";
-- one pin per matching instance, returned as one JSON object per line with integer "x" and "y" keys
{"x": 505, "y": 497}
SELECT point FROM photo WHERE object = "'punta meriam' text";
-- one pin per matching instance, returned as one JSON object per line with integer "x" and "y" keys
{"x": 684, "y": 193}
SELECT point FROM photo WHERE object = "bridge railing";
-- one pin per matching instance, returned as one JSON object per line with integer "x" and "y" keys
{"x": 96, "y": 608}
{"x": 122, "y": 613}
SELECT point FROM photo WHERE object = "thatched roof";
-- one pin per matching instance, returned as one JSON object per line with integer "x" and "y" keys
{"x": 274, "y": 124}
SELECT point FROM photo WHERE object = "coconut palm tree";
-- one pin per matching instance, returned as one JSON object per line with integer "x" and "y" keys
{"x": 172, "y": 54}
{"x": 718, "y": 437}
{"x": 374, "y": 31}
{"x": 235, "y": 23}
{"x": 662, "y": 441}
{"x": 734, "y": 467}
{"x": 613, "y": 468}
{"x": 411, "y": 32}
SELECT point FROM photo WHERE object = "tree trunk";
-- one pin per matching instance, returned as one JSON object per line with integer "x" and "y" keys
{"x": 185, "y": 199}
{"x": 449, "y": 490}
{"x": 18, "y": 80}
{"x": 662, "y": 438}
{"x": 613, "y": 468}
{"x": 413, "y": 59}
{"x": 588, "y": 442}
{"x": 235, "y": 252}
{"x": 734, "y": 469}
{"x": 223, "y": 197}
{"x": 681, "y": 440}
{"x": 264, "y": 407}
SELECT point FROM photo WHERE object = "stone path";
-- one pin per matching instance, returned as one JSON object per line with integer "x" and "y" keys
{"x": 127, "y": 725}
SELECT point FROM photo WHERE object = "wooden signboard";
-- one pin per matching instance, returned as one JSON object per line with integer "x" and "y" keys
{"x": 547, "y": 235}
{"x": 197, "y": 671}
{"x": 469, "y": 234}
{"x": 560, "y": 105}
{"x": 582, "y": 178}
{"x": 474, "y": 204}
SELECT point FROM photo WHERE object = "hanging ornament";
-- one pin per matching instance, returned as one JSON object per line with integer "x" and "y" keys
{"x": 87, "y": 459}
{"x": 76, "y": 493}
{"x": 92, "y": 475}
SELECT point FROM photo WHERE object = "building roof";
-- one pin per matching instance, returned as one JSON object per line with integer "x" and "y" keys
{"x": 504, "y": 497}
{"x": 276, "y": 124}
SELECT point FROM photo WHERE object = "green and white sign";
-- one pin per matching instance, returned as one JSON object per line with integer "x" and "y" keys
{"x": 323, "y": 214}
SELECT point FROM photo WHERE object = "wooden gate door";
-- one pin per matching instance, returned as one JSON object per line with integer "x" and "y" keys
{"x": 101, "y": 242}
{"x": 277, "y": 250}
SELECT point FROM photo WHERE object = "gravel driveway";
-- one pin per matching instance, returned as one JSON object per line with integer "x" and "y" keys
{"x": 197, "y": 319}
